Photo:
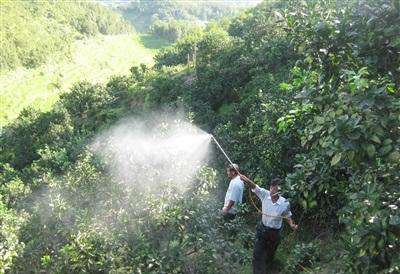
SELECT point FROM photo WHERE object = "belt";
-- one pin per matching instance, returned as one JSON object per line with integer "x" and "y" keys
{"x": 269, "y": 228}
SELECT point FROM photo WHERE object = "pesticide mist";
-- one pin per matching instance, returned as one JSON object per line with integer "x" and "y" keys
{"x": 150, "y": 155}
{"x": 141, "y": 193}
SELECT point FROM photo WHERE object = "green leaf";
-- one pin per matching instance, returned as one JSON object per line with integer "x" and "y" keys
{"x": 336, "y": 159}
{"x": 371, "y": 150}
{"x": 285, "y": 86}
{"x": 320, "y": 120}
{"x": 379, "y": 131}
{"x": 386, "y": 149}
{"x": 387, "y": 142}
{"x": 391, "y": 87}
{"x": 304, "y": 204}
{"x": 313, "y": 204}
{"x": 352, "y": 87}
{"x": 351, "y": 154}
{"x": 309, "y": 59}
{"x": 376, "y": 139}
{"x": 316, "y": 129}
{"x": 394, "y": 156}
{"x": 355, "y": 135}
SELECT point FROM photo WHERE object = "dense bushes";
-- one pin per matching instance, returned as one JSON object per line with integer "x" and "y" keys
{"x": 32, "y": 31}
{"x": 173, "y": 30}
{"x": 350, "y": 130}
{"x": 180, "y": 53}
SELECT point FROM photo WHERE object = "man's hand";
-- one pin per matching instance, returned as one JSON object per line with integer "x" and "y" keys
{"x": 243, "y": 177}
{"x": 251, "y": 184}
{"x": 225, "y": 210}
{"x": 292, "y": 224}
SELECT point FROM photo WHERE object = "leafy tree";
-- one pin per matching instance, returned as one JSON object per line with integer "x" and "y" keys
{"x": 34, "y": 31}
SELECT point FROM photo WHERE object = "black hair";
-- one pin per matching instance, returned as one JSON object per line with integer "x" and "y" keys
{"x": 276, "y": 182}
{"x": 233, "y": 167}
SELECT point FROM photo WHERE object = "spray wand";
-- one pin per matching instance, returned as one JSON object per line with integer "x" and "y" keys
{"x": 226, "y": 156}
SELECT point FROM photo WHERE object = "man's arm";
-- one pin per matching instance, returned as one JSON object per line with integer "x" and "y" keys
{"x": 259, "y": 191}
{"x": 235, "y": 194}
{"x": 291, "y": 223}
{"x": 251, "y": 184}
{"x": 226, "y": 208}
{"x": 288, "y": 215}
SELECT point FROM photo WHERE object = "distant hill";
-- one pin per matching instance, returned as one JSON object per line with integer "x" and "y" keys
{"x": 35, "y": 31}
{"x": 144, "y": 13}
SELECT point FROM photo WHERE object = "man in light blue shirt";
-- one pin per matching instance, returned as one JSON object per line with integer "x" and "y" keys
{"x": 275, "y": 208}
{"x": 234, "y": 194}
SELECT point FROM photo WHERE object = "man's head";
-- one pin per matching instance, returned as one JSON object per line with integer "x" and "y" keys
{"x": 274, "y": 186}
{"x": 231, "y": 171}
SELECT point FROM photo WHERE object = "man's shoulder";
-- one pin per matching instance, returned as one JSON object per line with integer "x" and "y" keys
{"x": 263, "y": 189}
{"x": 284, "y": 201}
{"x": 238, "y": 181}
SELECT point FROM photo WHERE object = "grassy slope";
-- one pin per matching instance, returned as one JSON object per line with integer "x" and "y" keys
{"x": 94, "y": 59}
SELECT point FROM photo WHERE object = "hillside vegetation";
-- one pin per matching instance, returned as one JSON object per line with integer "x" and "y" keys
{"x": 173, "y": 19}
{"x": 93, "y": 59}
{"x": 47, "y": 46}
{"x": 34, "y": 32}
{"x": 305, "y": 90}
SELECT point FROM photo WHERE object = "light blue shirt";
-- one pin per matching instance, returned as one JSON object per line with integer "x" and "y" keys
{"x": 234, "y": 193}
{"x": 281, "y": 208}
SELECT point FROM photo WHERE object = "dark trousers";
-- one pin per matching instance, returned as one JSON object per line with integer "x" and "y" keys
{"x": 265, "y": 245}
{"x": 229, "y": 217}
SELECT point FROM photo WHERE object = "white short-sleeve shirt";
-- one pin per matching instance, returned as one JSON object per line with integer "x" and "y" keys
{"x": 281, "y": 208}
{"x": 234, "y": 193}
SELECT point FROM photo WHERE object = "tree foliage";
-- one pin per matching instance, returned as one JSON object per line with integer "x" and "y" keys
{"x": 145, "y": 13}
{"x": 32, "y": 31}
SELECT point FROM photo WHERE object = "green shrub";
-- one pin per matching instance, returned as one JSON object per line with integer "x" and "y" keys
{"x": 302, "y": 257}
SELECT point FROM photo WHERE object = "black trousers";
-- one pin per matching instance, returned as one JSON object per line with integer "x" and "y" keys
{"x": 265, "y": 245}
{"x": 229, "y": 217}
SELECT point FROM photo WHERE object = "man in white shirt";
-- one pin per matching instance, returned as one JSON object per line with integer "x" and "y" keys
{"x": 234, "y": 194}
{"x": 274, "y": 209}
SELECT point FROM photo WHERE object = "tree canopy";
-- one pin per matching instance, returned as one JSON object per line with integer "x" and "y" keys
{"x": 33, "y": 31}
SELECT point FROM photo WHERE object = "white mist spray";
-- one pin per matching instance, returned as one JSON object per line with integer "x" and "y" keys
{"x": 163, "y": 151}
